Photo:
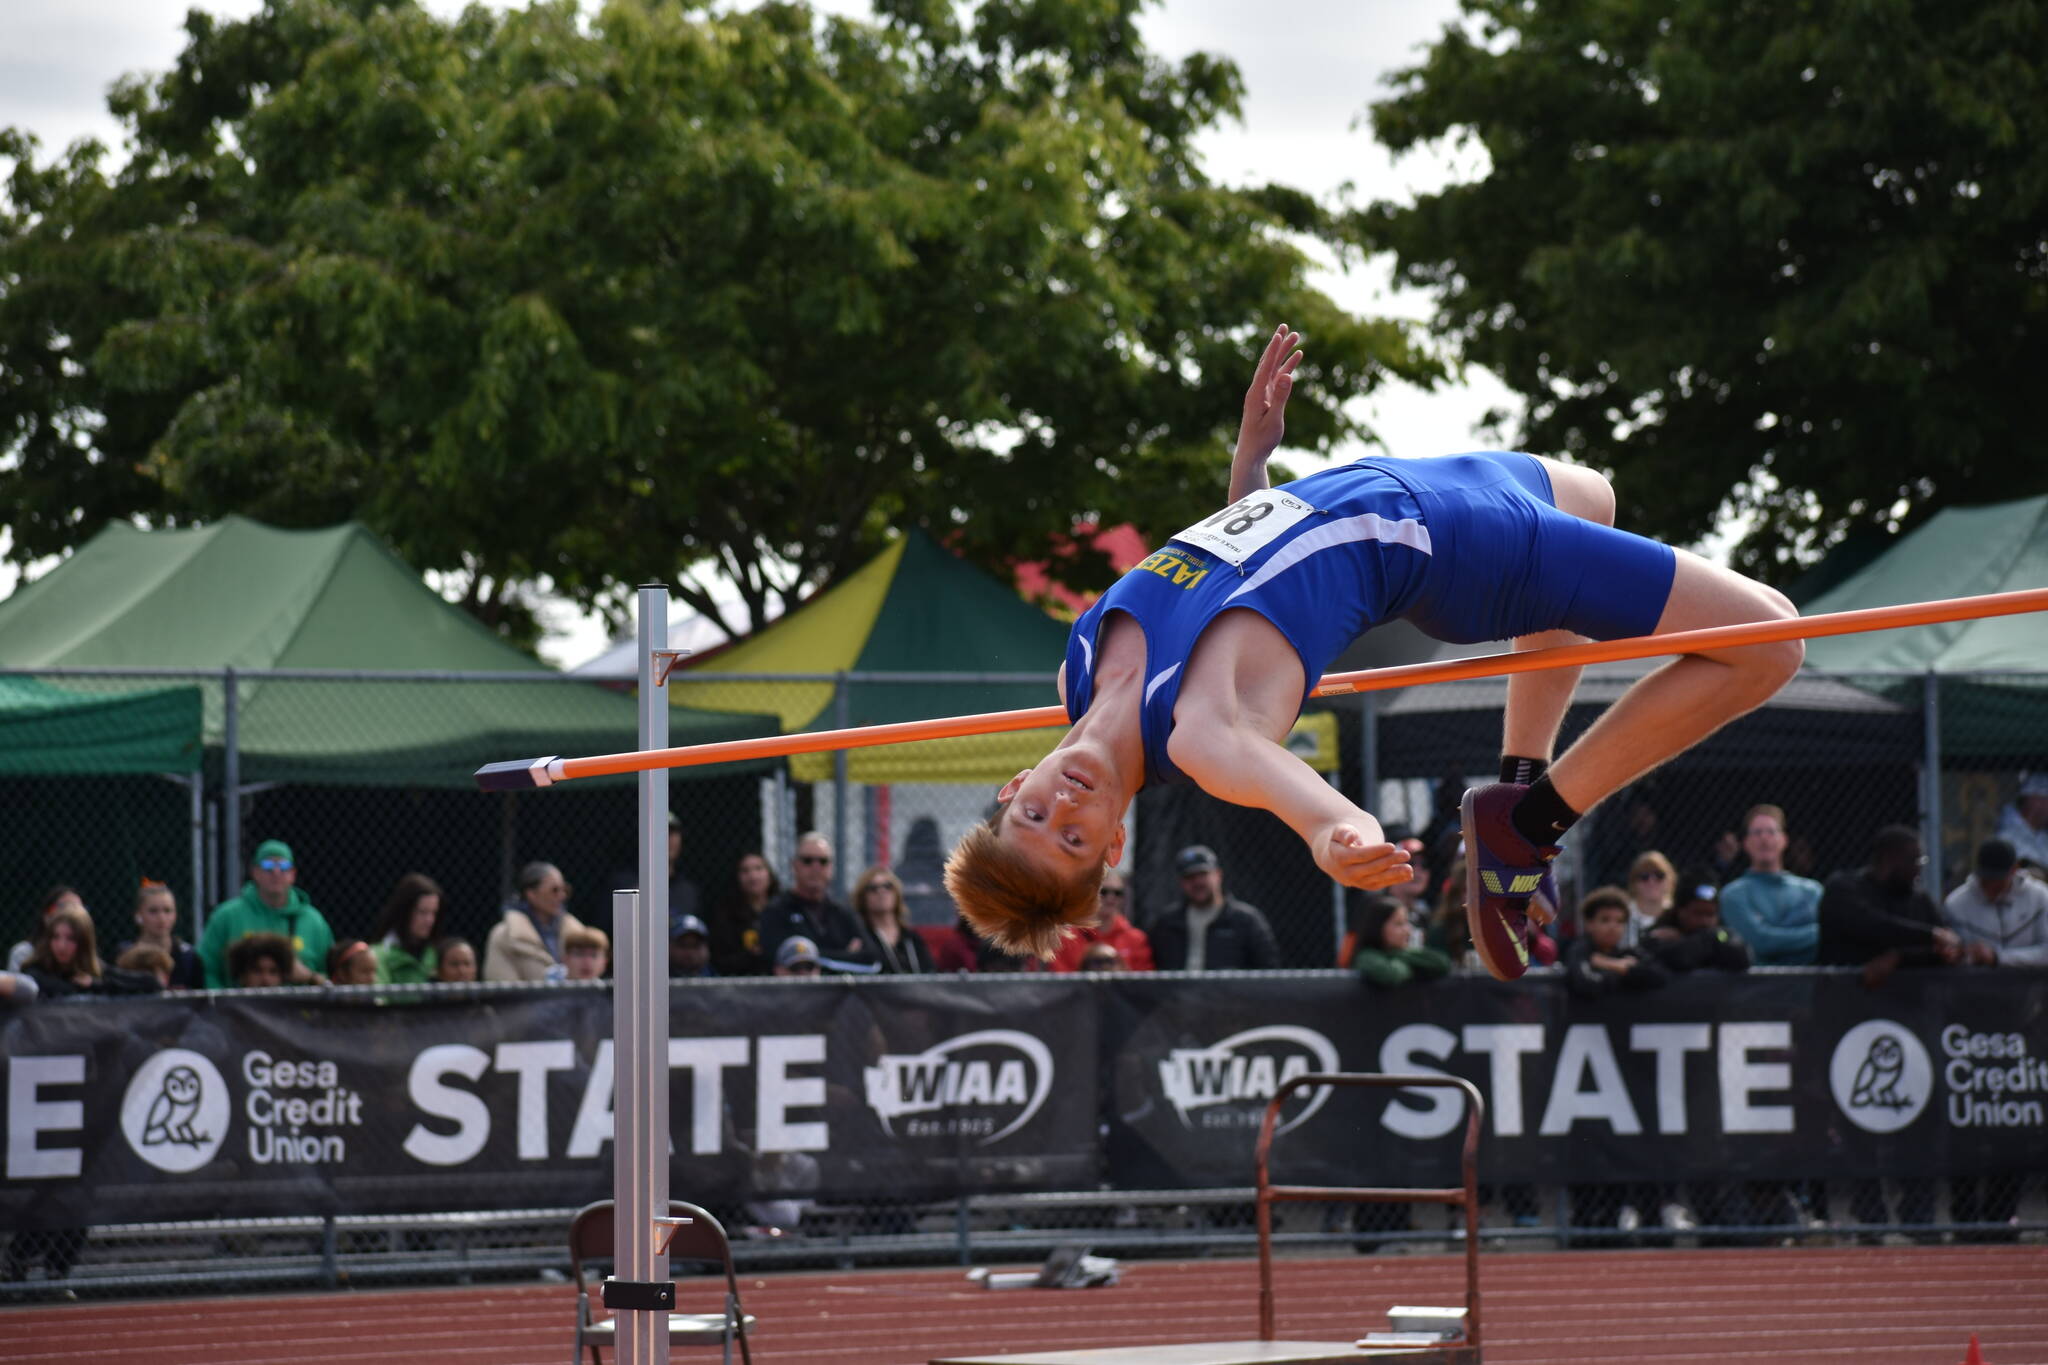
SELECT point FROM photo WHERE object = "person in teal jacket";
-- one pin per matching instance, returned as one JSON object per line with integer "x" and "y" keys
{"x": 1387, "y": 953}
{"x": 1776, "y": 913}
{"x": 270, "y": 903}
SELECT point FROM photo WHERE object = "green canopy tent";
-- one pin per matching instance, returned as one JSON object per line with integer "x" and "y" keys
{"x": 66, "y": 752}
{"x": 241, "y": 595}
{"x": 46, "y": 730}
{"x": 1992, "y": 689}
{"x": 238, "y": 594}
{"x": 1989, "y": 677}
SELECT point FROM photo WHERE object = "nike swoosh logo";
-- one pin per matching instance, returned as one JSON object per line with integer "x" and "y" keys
{"x": 1521, "y": 948}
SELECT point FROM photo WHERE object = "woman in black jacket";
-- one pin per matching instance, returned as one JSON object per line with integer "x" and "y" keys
{"x": 885, "y": 924}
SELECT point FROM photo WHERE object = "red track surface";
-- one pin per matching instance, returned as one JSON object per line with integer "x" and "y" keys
{"x": 1880, "y": 1307}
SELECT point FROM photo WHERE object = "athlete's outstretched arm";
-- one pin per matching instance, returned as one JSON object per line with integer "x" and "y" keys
{"x": 1265, "y": 412}
{"x": 1247, "y": 769}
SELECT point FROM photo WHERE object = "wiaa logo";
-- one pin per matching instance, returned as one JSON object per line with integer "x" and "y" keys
{"x": 984, "y": 1085}
{"x": 1881, "y": 1076}
{"x": 1244, "y": 1071}
{"x": 175, "y": 1111}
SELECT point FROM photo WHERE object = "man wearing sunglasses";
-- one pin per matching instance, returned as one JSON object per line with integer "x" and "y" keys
{"x": 807, "y": 910}
{"x": 270, "y": 903}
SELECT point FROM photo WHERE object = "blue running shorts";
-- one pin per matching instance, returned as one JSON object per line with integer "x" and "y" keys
{"x": 1505, "y": 562}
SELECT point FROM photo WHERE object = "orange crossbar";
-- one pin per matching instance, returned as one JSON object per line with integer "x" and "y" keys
{"x": 548, "y": 771}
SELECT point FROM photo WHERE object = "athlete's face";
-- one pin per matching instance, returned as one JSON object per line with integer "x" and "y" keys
{"x": 1066, "y": 813}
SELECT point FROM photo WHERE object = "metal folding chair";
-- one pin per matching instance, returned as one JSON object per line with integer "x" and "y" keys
{"x": 700, "y": 1239}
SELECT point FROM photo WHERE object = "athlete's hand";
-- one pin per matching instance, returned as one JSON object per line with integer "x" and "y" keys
{"x": 1265, "y": 402}
{"x": 1345, "y": 855}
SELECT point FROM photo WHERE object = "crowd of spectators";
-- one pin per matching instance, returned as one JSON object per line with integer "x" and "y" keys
{"x": 1643, "y": 925}
{"x": 1739, "y": 904}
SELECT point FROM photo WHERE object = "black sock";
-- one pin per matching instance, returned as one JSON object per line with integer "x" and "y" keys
{"x": 1515, "y": 768}
{"x": 1542, "y": 817}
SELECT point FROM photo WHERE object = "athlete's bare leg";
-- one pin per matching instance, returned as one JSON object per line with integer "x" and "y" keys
{"x": 1689, "y": 698}
{"x": 1537, "y": 701}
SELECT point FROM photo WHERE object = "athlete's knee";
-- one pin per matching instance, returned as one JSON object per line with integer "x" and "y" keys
{"x": 1774, "y": 662}
{"x": 1583, "y": 492}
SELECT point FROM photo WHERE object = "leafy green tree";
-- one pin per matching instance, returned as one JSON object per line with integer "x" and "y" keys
{"x": 1787, "y": 260}
{"x": 595, "y": 299}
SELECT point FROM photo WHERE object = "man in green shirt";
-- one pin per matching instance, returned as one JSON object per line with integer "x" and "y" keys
{"x": 270, "y": 903}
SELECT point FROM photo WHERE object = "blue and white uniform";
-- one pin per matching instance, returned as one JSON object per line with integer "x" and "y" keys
{"x": 1467, "y": 547}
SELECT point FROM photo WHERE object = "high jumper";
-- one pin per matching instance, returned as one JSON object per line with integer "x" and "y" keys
{"x": 1194, "y": 666}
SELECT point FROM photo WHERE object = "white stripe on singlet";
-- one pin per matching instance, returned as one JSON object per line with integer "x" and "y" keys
{"x": 1158, "y": 682}
{"x": 1370, "y": 526}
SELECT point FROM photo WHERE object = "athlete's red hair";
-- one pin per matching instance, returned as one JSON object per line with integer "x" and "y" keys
{"x": 1013, "y": 902}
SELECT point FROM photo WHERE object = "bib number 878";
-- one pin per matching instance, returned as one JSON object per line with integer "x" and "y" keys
{"x": 1241, "y": 516}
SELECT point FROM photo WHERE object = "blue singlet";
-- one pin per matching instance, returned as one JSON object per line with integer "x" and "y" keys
{"x": 1468, "y": 547}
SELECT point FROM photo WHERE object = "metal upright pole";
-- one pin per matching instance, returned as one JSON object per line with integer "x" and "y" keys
{"x": 1369, "y": 752}
{"x": 641, "y": 1293}
{"x": 1930, "y": 784}
{"x": 198, "y": 835}
{"x": 1336, "y": 887}
{"x": 842, "y": 709}
{"x": 231, "y": 864}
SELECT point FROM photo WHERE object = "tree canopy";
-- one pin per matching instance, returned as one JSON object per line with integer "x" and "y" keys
{"x": 657, "y": 290}
{"x": 1788, "y": 261}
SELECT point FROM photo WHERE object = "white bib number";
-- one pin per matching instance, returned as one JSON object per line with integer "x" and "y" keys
{"x": 1247, "y": 526}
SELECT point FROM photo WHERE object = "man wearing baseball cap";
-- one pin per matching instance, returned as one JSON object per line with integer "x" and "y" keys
{"x": 797, "y": 956}
{"x": 689, "y": 946}
{"x": 270, "y": 903}
{"x": 1209, "y": 931}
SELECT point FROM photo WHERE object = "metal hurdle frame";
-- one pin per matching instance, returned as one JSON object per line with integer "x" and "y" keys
{"x": 1465, "y": 1195}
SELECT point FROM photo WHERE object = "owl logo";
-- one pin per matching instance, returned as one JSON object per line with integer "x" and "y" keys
{"x": 1877, "y": 1080}
{"x": 172, "y": 1113}
{"x": 176, "y": 1110}
{"x": 1881, "y": 1076}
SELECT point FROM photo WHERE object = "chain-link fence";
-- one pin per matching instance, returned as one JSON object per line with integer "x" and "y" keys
{"x": 117, "y": 776}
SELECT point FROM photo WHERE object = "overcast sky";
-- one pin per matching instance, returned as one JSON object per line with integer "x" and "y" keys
{"x": 1310, "y": 68}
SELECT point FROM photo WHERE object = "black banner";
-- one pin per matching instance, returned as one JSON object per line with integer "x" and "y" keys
{"x": 253, "y": 1105}
{"x": 314, "y": 1102}
{"x": 1781, "y": 1075}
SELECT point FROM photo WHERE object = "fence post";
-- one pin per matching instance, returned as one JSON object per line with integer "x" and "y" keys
{"x": 231, "y": 777}
{"x": 330, "y": 1253}
{"x": 213, "y": 896}
{"x": 1335, "y": 780}
{"x": 1369, "y": 751}
{"x": 1930, "y": 784}
{"x": 198, "y": 795}
{"x": 842, "y": 711}
{"x": 508, "y": 848}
